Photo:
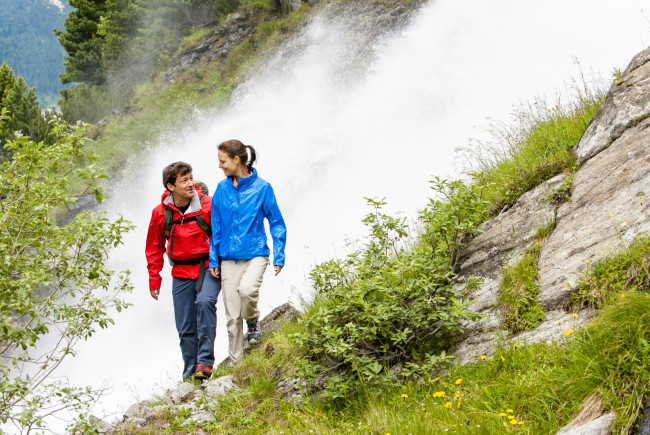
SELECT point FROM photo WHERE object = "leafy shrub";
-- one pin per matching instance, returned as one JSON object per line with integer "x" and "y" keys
{"x": 54, "y": 279}
{"x": 383, "y": 312}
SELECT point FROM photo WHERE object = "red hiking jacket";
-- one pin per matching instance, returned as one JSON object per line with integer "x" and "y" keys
{"x": 187, "y": 241}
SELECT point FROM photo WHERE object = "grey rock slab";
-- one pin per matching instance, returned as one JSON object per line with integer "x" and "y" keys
{"x": 599, "y": 426}
{"x": 135, "y": 422}
{"x": 487, "y": 342}
{"x": 200, "y": 417}
{"x": 510, "y": 232}
{"x": 219, "y": 386}
{"x": 181, "y": 393}
{"x": 627, "y": 101}
{"x": 141, "y": 409}
{"x": 644, "y": 425}
{"x": 604, "y": 214}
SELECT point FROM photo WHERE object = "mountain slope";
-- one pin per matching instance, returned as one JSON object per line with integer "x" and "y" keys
{"x": 28, "y": 44}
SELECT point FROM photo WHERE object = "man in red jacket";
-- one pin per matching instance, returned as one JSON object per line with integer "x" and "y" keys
{"x": 180, "y": 227}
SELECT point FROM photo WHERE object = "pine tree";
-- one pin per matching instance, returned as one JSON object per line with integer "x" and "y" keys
{"x": 83, "y": 43}
{"x": 24, "y": 111}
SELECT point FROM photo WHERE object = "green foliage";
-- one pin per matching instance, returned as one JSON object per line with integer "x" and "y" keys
{"x": 82, "y": 42}
{"x": 618, "y": 342}
{"x": 519, "y": 288}
{"x": 88, "y": 103}
{"x": 24, "y": 113}
{"x": 383, "y": 313}
{"x": 54, "y": 278}
{"x": 561, "y": 193}
{"x": 535, "y": 148}
{"x": 451, "y": 219}
{"x": 518, "y": 293}
{"x": 612, "y": 276}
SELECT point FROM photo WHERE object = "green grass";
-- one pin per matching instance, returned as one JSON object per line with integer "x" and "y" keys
{"x": 534, "y": 148}
{"x": 519, "y": 288}
{"x": 544, "y": 385}
{"x": 617, "y": 273}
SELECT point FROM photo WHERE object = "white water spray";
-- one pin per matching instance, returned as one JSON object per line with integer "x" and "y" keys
{"x": 330, "y": 132}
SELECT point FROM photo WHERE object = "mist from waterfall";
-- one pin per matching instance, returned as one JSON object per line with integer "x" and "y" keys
{"x": 332, "y": 127}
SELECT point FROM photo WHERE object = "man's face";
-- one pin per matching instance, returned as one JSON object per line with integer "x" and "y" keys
{"x": 183, "y": 188}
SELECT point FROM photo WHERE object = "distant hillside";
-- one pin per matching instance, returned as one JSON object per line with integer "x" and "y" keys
{"x": 30, "y": 48}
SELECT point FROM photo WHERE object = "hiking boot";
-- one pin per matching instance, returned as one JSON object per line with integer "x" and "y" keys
{"x": 203, "y": 372}
{"x": 254, "y": 332}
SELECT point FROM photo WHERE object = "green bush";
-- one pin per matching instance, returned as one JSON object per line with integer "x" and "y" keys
{"x": 383, "y": 313}
{"x": 54, "y": 279}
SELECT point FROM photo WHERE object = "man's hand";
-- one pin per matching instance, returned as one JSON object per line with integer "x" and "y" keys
{"x": 214, "y": 272}
{"x": 155, "y": 293}
{"x": 278, "y": 269}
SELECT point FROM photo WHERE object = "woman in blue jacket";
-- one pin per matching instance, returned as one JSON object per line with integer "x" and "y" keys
{"x": 238, "y": 250}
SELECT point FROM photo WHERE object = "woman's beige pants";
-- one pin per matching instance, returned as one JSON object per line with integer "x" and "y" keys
{"x": 240, "y": 287}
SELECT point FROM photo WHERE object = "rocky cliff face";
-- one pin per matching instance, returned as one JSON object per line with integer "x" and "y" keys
{"x": 605, "y": 212}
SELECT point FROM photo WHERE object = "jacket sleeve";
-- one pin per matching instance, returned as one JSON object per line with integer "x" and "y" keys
{"x": 215, "y": 223}
{"x": 276, "y": 225}
{"x": 155, "y": 248}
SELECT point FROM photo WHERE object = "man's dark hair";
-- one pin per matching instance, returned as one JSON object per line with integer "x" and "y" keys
{"x": 173, "y": 171}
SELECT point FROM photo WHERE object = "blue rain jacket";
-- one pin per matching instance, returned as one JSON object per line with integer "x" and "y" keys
{"x": 237, "y": 219}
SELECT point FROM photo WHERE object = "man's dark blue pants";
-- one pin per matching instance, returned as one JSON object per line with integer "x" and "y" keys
{"x": 196, "y": 320}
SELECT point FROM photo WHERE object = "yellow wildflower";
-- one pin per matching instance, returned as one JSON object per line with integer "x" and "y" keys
{"x": 458, "y": 381}
{"x": 568, "y": 332}
{"x": 510, "y": 417}
{"x": 439, "y": 394}
{"x": 520, "y": 422}
{"x": 435, "y": 379}
{"x": 502, "y": 414}
{"x": 483, "y": 357}
{"x": 424, "y": 409}
{"x": 516, "y": 345}
{"x": 622, "y": 295}
{"x": 448, "y": 405}
{"x": 559, "y": 321}
{"x": 575, "y": 315}
{"x": 513, "y": 421}
{"x": 502, "y": 358}
{"x": 404, "y": 396}
{"x": 509, "y": 411}
{"x": 458, "y": 405}
{"x": 456, "y": 395}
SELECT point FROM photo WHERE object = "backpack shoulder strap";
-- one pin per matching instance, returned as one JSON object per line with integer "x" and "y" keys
{"x": 169, "y": 217}
{"x": 205, "y": 226}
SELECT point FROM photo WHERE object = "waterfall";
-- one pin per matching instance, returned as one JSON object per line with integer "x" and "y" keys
{"x": 333, "y": 123}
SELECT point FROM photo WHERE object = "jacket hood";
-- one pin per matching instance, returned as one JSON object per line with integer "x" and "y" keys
{"x": 167, "y": 199}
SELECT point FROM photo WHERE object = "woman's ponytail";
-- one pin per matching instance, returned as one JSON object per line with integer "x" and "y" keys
{"x": 252, "y": 156}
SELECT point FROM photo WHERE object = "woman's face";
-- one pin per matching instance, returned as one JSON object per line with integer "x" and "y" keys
{"x": 228, "y": 165}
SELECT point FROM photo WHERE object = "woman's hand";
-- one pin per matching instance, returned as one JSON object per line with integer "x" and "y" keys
{"x": 278, "y": 269}
{"x": 214, "y": 272}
